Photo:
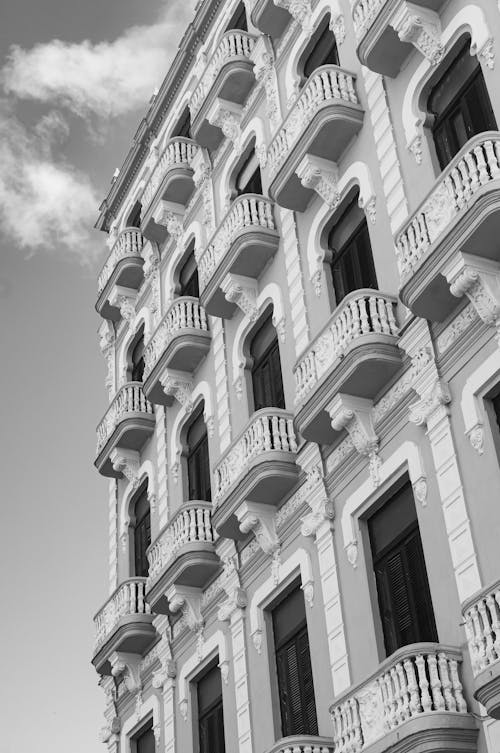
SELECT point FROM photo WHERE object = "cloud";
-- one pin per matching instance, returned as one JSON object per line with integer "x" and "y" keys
{"x": 45, "y": 203}
{"x": 106, "y": 79}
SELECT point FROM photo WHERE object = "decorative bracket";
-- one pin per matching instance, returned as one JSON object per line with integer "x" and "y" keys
{"x": 355, "y": 415}
{"x": 169, "y": 214}
{"x": 127, "y": 665}
{"x": 320, "y": 175}
{"x": 178, "y": 385}
{"x": 300, "y": 10}
{"x": 261, "y": 520}
{"x": 309, "y": 459}
{"x": 124, "y": 299}
{"x": 227, "y": 116}
{"x": 337, "y": 26}
{"x": 263, "y": 58}
{"x": 479, "y": 279}
{"x": 420, "y": 27}
{"x": 168, "y": 669}
{"x": 243, "y": 292}
{"x": 188, "y": 600}
{"x": 126, "y": 462}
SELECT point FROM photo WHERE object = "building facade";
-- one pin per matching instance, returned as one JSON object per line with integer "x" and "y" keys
{"x": 301, "y": 325}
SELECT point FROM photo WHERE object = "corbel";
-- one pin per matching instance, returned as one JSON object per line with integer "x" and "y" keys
{"x": 178, "y": 385}
{"x": 230, "y": 580}
{"x": 227, "y": 116}
{"x": 355, "y": 414}
{"x": 187, "y": 599}
{"x": 128, "y": 666}
{"x": 243, "y": 292}
{"x": 124, "y": 299}
{"x": 420, "y": 27}
{"x": 260, "y": 519}
{"x": 320, "y": 175}
{"x": 321, "y": 508}
{"x": 169, "y": 214}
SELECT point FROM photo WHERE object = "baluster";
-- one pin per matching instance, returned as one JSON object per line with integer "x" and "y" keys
{"x": 391, "y": 701}
{"x": 207, "y": 525}
{"x": 414, "y": 705}
{"x": 446, "y": 682}
{"x": 141, "y": 607}
{"x": 355, "y": 314}
{"x": 481, "y": 164}
{"x": 282, "y": 434}
{"x": 437, "y": 696}
{"x": 404, "y": 692}
{"x": 274, "y": 439}
{"x": 376, "y": 326}
{"x": 393, "y": 327}
{"x": 351, "y": 90}
{"x": 466, "y": 183}
{"x": 423, "y": 683}
{"x": 479, "y": 633}
{"x": 457, "y": 685}
{"x": 291, "y": 435}
{"x": 192, "y": 525}
{"x": 495, "y": 622}
{"x": 487, "y": 632}
{"x": 398, "y": 697}
{"x": 363, "y": 314}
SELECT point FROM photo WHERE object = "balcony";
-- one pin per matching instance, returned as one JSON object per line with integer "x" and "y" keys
{"x": 356, "y": 353}
{"x": 171, "y": 180}
{"x": 259, "y": 467}
{"x": 482, "y": 625}
{"x": 381, "y": 26}
{"x": 303, "y": 744}
{"x": 123, "y": 268}
{"x": 243, "y": 244}
{"x": 123, "y": 624}
{"x": 414, "y": 701}
{"x": 460, "y": 213}
{"x": 183, "y": 554}
{"x": 322, "y": 122}
{"x": 180, "y": 342}
{"x": 128, "y": 423}
{"x": 269, "y": 18}
{"x": 228, "y": 77}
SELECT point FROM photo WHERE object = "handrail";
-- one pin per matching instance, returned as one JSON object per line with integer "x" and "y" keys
{"x": 179, "y": 151}
{"x": 127, "y": 599}
{"x": 128, "y": 243}
{"x": 129, "y": 399}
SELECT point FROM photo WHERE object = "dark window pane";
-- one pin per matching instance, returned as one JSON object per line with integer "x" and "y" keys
{"x": 239, "y": 19}
{"x": 496, "y": 407}
{"x": 188, "y": 278}
{"x": 145, "y": 742}
{"x": 323, "y": 50}
{"x": 266, "y": 370}
{"x": 352, "y": 263}
{"x": 183, "y": 126}
{"x": 198, "y": 462}
{"x": 137, "y": 371}
{"x": 402, "y": 586}
{"x": 142, "y": 536}
{"x": 210, "y": 712}
{"x": 249, "y": 178}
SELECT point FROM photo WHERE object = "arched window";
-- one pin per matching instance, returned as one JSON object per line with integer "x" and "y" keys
{"x": 142, "y": 534}
{"x": 321, "y": 50}
{"x": 137, "y": 360}
{"x": 238, "y": 19}
{"x": 248, "y": 179}
{"x": 183, "y": 125}
{"x": 351, "y": 254}
{"x": 188, "y": 278}
{"x": 198, "y": 461}
{"x": 460, "y": 105}
{"x": 266, "y": 368}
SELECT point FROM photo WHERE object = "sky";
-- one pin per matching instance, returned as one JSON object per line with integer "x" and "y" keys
{"x": 75, "y": 80}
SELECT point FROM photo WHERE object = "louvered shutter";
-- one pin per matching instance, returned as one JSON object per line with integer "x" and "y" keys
{"x": 142, "y": 540}
{"x": 394, "y": 602}
{"x": 425, "y": 626}
{"x": 296, "y": 690}
{"x": 145, "y": 742}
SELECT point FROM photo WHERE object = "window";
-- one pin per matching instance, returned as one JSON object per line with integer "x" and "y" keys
{"x": 198, "y": 462}
{"x": 398, "y": 562}
{"x": 352, "y": 261}
{"x": 142, "y": 535}
{"x": 461, "y": 106}
{"x": 293, "y": 664}
{"x": 137, "y": 358}
{"x": 322, "y": 49}
{"x": 210, "y": 712}
{"x": 266, "y": 369}
{"x": 134, "y": 218}
{"x": 496, "y": 407}
{"x": 239, "y": 19}
{"x": 249, "y": 178}
{"x": 144, "y": 742}
{"x": 188, "y": 278}
{"x": 183, "y": 125}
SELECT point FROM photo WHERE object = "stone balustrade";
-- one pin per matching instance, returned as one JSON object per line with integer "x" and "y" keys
{"x": 269, "y": 429}
{"x": 129, "y": 399}
{"x": 421, "y": 679}
{"x": 303, "y": 744}
{"x": 247, "y": 212}
{"x": 179, "y": 152}
{"x": 360, "y": 313}
{"x": 475, "y": 166}
{"x": 128, "y": 244}
{"x": 128, "y": 599}
{"x": 482, "y": 625}
{"x": 190, "y": 525}
{"x": 326, "y": 84}
{"x": 233, "y": 45}
{"x": 364, "y": 13}
{"x": 184, "y": 313}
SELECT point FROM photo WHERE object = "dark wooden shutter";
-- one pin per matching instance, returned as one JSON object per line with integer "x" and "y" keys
{"x": 145, "y": 741}
{"x": 198, "y": 461}
{"x": 496, "y": 407}
{"x": 296, "y": 689}
{"x": 188, "y": 278}
{"x": 138, "y": 361}
{"x": 210, "y": 712}
{"x": 142, "y": 534}
{"x": 323, "y": 49}
{"x": 266, "y": 377}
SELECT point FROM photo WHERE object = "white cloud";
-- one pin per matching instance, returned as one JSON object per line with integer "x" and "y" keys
{"x": 45, "y": 203}
{"x": 105, "y": 79}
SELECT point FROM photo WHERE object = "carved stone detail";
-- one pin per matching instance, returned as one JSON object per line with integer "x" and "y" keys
{"x": 420, "y": 27}
{"x": 243, "y": 292}
{"x": 315, "y": 494}
{"x": 126, "y": 462}
{"x": 170, "y": 216}
{"x": 476, "y": 438}
{"x": 337, "y": 26}
{"x": 179, "y": 385}
{"x": 125, "y": 300}
{"x": 188, "y": 600}
{"x": 227, "y": 117}
{"x": 265, "y": 74}
{"x": 128, "y": 666}
{"x": 261, "y": 520}
{"x": 355, "y": 414}
{"x": 320, "y": 175}
{"x": 300, "y": 10}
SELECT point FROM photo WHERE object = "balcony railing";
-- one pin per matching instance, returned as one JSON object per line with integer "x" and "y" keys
{"x": 482, "y": 623}
{"x": 475, "y": 166}
{"x": 184, "y": 314}
{"x": 233, "y": 45}
{"x": 271, "y": 429}
{"x": 128, "y": 244}
{"x": 326, "y": 85}
{"x": 127, "y": 600}
{"x": 178, "y": 153}
{"x": 361, "y": 313}
{"x": 191, "y": 525}
{"x": 302, "y": 744}
{"x": 247, "y": 213}
{"x": 129, "y": 401}
{"x": 418, "y": 681}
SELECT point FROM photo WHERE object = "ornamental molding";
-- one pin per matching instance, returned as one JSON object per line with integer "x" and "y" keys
{"x": 300, "y": 10}
{"x": 170, "y": 215}
{"x": 322, "y": 176}
{"x": 168, "y": 669}
{"x": 127, "y": 666}
{"x": 230, "y": 581}
{"x": 337, "y": 26}
{"x": 479, "y": 280}
{"x": 355, "y": 414}
{"x": 242, "y": 291}
{"x": 227, "y": 116}
{"x": 188, "y": 600}
{"x": 179, "y": 385}
{"x": 314, "y": 491}
{"x": 260, "y": 519}
{"x": 126, "y": 462}
{"x": 125, "y": 300}
{"x": 264, "y": 61}
{"x": 420, "y": 27}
